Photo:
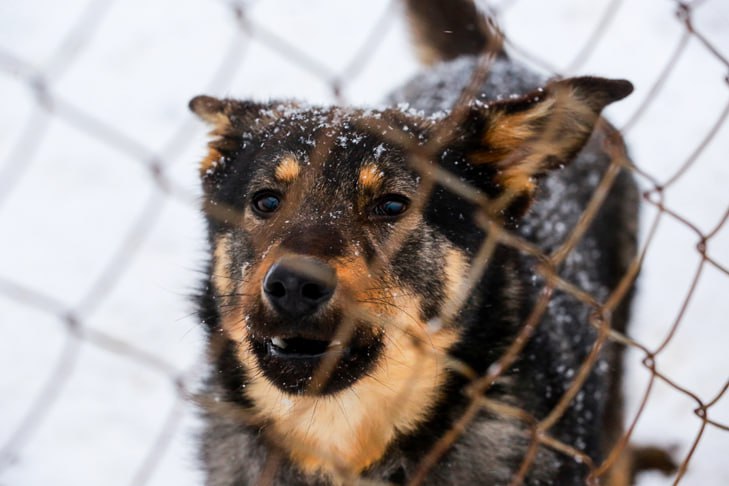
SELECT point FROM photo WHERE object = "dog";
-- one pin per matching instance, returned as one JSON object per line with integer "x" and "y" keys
{"x": 364, "y": 275}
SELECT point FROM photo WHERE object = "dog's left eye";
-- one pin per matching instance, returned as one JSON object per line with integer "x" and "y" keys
{"x": 391, "y": 205}
{"x": 266, "y": 203}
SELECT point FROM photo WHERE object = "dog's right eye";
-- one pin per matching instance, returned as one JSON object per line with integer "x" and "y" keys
{"x": 390, "y": 206}
{"x": 265, "y": 203}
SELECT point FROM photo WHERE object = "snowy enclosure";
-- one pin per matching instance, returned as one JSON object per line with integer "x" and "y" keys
{"x": 101, "y": 240}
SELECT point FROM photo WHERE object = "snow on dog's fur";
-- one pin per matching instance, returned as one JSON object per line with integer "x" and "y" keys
{"x": 328, "y": 254}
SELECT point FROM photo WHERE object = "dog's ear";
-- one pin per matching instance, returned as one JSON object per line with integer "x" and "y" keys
{"x": 523, "y": 138}
{"x": 233, "y": 123}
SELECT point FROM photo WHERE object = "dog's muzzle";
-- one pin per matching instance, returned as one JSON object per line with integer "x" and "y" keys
{"x": 299, "y": 327}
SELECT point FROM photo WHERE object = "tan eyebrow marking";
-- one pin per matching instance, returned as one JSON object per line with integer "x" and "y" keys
{"x": 370, "y": 177}
{"x": 288, "y": 170}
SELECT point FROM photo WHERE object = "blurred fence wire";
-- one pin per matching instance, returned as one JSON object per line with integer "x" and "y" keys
{"x": 52, "y": 107}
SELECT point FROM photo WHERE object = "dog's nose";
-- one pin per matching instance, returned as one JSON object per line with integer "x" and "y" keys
{"x": 298, "y": 286}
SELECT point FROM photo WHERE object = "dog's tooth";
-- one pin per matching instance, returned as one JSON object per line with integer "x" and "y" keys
{"x": 434, "y": 325}
{"x": 336, "y": 343}
{"x": 278, "y": 342}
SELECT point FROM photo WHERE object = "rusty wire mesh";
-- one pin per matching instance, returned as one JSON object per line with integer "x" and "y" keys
{"x": 158, "y": 157}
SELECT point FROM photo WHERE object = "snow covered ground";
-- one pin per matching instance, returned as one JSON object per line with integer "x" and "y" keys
{"x": 69, "y": 199}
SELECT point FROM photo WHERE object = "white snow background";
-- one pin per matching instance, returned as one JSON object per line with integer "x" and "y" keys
{"x": 134, "y": 64}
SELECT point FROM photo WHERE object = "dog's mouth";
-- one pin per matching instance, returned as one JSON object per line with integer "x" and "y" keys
{"x": 301, "y": 348}
{"x": 293, "y": 362}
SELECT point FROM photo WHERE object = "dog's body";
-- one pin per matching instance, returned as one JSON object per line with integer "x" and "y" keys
{"x": 330, "y": 253}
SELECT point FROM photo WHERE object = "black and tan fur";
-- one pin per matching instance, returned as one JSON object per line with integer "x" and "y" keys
{"x": 328, "y": 251}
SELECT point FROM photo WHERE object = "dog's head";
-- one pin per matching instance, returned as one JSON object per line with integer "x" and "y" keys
{"x": 339, "y": 265}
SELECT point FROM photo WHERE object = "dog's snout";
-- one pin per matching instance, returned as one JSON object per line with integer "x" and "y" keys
{"x": 299, "y": 286}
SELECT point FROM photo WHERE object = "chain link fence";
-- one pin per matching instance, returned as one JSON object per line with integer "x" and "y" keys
{"x": 100, "y": 249}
